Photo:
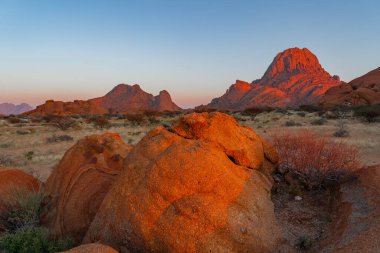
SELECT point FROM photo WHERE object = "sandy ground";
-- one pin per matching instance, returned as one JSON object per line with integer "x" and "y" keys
{"x": 14, "y": 147}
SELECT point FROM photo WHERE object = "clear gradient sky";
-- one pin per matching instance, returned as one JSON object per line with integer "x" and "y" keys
{"x": 80, "y": 49}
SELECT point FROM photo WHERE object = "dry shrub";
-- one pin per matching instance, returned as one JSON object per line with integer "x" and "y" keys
{"x": 63, "y": 123}
{"x": 100, "y": 122}
{"x": 59, "y": 138}
{"x": 257, "y": 110}
{"x": 22, "y": 209}
{"x": 315, "y": 160}
{"x": 135, "y": 119}
{"x": 14, "y": 120}
{"x": 202, "y": 109}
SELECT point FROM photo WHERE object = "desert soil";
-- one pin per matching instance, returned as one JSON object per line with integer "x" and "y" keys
{"x": 17, "y": 140}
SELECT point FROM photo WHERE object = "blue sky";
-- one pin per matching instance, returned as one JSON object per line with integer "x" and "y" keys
{"x": 80, "y": 49}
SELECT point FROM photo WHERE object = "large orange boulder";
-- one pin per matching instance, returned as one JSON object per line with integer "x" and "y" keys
{"x": 356, "y": 221}
{"x": 92, "y": 248}
{"x": 196, "y": 187}
{"x": 76, "y": 187}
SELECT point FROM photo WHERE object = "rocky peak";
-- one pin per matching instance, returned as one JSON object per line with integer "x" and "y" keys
{"x": 294, "y": 61}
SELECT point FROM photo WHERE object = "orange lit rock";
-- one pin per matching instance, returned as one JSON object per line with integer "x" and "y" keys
{"x": 121, "y": 99}
{"x": 197, "y": 187}
{"x": 76, "y": 187}
{"x": 364, "y": 90}
{"x": 92, "y": 248}
{"x": 295, "y": 77}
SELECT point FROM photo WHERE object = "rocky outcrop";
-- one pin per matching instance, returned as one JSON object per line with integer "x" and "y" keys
{"x": 356, "y": 221}
{"x": 92, "y": 248}
{"x": 364, "y": 90}
{"x": 8, "y": 108}
{"x": 196, "y": 187}
{"x": 76, "y": 187}
{"x": 125, "y": 98}
{"x": 121, "y": 99}
{"x": 295, "y": 77}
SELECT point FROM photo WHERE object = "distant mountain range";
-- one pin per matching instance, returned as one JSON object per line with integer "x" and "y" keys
{"x": 121, "y": 99}
{"x": 9, "y": 108}
{"x": 295, "y": 77}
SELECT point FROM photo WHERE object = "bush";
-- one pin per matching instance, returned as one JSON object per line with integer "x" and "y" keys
{"x": 257, "y": 110}
{"x": 6, "y": 161}
{"x": 201, "y": 109}
{"x": 135, "y": 119}
{"x": 14, "y": 120}
{"x": 100, "y": 122}
{"x": 301, "y": 114}
{"x": 291, "y": 123}
{"x": 23, "y": 210}
{"x": 342, "y": 129}
{"x": 310, "y": 108}
{"x": 59, "y": 138}
{"x": 319, "y": 122}
{"x": 63, "y": 123}
{"x": 31, "y": 240}
{"x": 316, "y": 161}
{"x": 29, "y": 155}
{"x": 369, "y": 112}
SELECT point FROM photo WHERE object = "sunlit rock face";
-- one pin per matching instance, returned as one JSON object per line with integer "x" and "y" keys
{"x": 121, "y": 99}
{"x": 199, "y": 186}
{"x": 295, "y": 77}
{"x": 364, "y": 90}
{"x": 77, "y": 186}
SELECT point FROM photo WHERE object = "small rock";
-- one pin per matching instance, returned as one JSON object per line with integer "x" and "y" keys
{"x": 297, "y": 198}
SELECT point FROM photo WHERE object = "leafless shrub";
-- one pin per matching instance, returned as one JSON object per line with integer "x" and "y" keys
{"x": 342, "y": 129}
{"x": 59, "y": 138}
{"x": 6, "y": 161}
{"x": 135, "y": 119}
{"x": 100, "y": 122}
{"x": 316, "y": 161}
{"x": 14, "y": 120}
{"x": 63, "y": 123}
{"x": 319, "y": 122}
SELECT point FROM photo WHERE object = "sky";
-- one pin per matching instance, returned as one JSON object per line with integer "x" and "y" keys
{"x": 81, "y": 49}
